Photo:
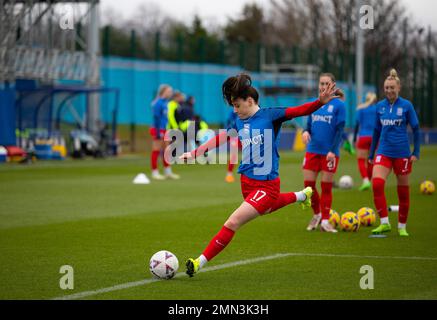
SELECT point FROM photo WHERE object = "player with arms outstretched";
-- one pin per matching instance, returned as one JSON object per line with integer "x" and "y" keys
{"x": 258, "y": 129}
{"x": 393, "y": 116}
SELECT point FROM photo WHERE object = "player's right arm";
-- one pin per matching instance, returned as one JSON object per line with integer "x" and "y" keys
{"x": 306, "y": 135}
{"x": 357, "y": 126}
{"x": 375, "y": 138}
{"x": 211, "y": 144}
{"x": 157, "y": 113}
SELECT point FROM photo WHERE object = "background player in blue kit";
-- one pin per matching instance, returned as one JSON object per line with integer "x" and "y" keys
{"x": 235, "y": 145}
{"x": 159, "y": 112}
{"x": 393, "y": 116}
{"x": 323, "y": 137}
{"x": 258, "y": 130}
{"x": 365, "y": 124}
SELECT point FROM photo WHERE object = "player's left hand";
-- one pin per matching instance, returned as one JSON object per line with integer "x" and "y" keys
{"x": 330, "y": 157}
{"x": 413, "y": 159}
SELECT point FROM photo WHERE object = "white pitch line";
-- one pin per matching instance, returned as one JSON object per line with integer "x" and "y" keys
{"x": 180, "y": 274}
{"x": 230, "y": 265}
{"x": 361, "y": 257}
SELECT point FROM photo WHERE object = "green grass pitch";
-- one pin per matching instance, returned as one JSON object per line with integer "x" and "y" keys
{"x": 89, "y": 215}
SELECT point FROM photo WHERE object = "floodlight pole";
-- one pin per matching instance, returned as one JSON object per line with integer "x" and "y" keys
{"x": 359, "y": 56}
{"x": 93, "y": 49}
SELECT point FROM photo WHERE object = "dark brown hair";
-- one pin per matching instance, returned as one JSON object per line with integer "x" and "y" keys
{"x": 329, "y": 75}
{"x": 177, "y": 94}
{"x": 239, "y": 86}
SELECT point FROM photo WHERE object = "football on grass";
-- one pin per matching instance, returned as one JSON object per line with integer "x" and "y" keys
{"x": 164, "y": 265}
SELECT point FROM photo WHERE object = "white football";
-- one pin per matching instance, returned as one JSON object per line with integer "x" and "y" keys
{"x": 346, "y": 182}
{"x": 163, "y": 265}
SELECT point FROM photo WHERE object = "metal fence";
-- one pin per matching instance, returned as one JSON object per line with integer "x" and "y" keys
{"x": 418, "y": 73}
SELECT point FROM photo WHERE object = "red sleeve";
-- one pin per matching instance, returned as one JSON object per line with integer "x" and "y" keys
{"x": 213, "y": 143}
{"x": 302, "y": 110}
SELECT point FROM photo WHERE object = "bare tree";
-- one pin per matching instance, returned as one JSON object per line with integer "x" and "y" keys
{"x": 288, "y": 22}
{"x": 150, "y": 18}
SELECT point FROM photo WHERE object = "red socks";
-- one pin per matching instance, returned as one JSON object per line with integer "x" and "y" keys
{"x": 404, "y": 203}
{"x": 362, "y": 168}
{"x": 379, "y": 197}
{"x": 230, "y": 167}
{"x": 164, "y": 162}
{"x": 369, "y": 170}
{"x": 218, "y": 243}
{"x": 381, "y": 203}
{"x": 326, "y": 199}
{"x": 154, "y": 159}
{"x": 283, "y": 200}
{"x": 222, "y": 239}
{"x": 366, "y": 168}
{"x": 315, "y": 199}
{"x": 323, "y": 204}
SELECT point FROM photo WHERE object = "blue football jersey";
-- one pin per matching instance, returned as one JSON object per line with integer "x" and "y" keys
{"x": 392, "y": 121}
{"x": 259, "y": 136}
{"x": 366, "y": 120}
{"x": 159, "y": 111}
{"x": 322, "y": 125}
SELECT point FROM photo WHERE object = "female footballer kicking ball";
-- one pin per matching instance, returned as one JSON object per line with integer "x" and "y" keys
{"x": 258, "y": 130}
{"x": 393, "y": 116}
{"x": 365, "y": 124}
{"x": 323, "y": 136}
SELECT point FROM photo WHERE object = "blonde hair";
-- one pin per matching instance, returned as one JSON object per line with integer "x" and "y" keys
{"x": 370, "y": 99}
{"x": 162, "y": 88}
{"x": 394, "y": 76}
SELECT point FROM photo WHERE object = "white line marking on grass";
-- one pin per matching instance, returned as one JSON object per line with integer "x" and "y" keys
{"x": 178, "y": 275}
{"x": 361, "y": 257}
{"x": 230, "y": 265}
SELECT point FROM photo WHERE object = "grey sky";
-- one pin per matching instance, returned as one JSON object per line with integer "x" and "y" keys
{"x": 216, "y": 12}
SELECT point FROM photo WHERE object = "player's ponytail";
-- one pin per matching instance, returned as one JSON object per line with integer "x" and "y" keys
{"x": 239, "y": 86}
{"x": 394, "y": 76}
{"x": 340, "y": 93}
{"x": 370, "y": 99}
